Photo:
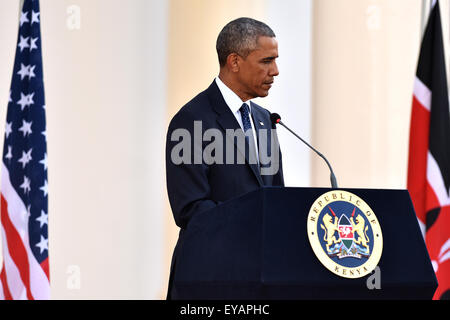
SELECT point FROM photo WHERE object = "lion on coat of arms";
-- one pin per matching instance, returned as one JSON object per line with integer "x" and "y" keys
{"x": 358, "y": 228}
{"x": 330, "y": 228}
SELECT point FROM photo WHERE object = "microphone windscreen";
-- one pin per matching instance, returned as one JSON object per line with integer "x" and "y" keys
{"x": 275, "y": 118}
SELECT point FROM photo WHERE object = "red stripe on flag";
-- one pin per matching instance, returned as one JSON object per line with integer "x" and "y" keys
{"x": 44, "y": 266}
{"x": 16, "y": 248}
{"x": 437, "y": 236}
{"x": 6, "y": 291}
{"x": 418, "y": 152}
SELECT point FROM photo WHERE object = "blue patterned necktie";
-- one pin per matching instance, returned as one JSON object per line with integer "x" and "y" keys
{"x": 245, "y": 114}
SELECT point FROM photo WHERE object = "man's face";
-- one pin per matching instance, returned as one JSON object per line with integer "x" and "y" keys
{"x": 257, "y": 71}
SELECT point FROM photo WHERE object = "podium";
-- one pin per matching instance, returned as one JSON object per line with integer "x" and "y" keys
{"x": 256, "y": 247}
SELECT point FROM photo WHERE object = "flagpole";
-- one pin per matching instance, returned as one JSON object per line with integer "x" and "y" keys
{"x": 426, "y": 8}
{"x": 20, "y": 7}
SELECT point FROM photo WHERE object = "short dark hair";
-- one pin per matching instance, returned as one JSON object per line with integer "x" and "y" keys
{"x": 240, "y": 36}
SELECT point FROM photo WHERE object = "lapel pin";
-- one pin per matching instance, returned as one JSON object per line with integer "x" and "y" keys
{"x": 261, "y": 123}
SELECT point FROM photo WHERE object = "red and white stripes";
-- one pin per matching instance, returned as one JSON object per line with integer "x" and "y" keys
{"x": 22, "y": 276}
{"x": 418, "y": 150}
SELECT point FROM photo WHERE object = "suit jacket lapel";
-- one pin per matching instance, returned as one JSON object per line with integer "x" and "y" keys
{"x": 227, "y": 120}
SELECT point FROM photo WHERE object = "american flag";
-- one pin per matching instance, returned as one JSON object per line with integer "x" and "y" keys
{"x": 24, "y": 188}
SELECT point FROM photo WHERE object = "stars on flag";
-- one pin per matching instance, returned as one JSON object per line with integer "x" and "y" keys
{"x": 26, "y": 128}
{"x": 24, "y": 18}
{"x": 8, "y": 129}
{"x": 26, "y": 185}
{"x": 44, "y": 188}
{"x": 8, "y": 156}
{"x": 28, "y": 42}
{"x": 25, "y": 100}
{"x": 34, "y": 17}
{"x": 26, "y": 157}
{"x": 33, "y": 44}
{"x": 25, "y": 150}
{"x": 43, "y": 244}
{"x": 42, "y": 219}
{"x": 26, "y": 71}
{"x": 23, "y": 43}
{"x": 44, "y": 161}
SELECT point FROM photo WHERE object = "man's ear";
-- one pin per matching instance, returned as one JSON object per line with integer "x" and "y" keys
{"x": 232, "y": 62}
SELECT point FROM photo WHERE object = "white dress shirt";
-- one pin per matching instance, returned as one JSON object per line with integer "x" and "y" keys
{"x": 235, "y": 103}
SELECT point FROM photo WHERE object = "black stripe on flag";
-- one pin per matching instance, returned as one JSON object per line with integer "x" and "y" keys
{"x": 431, "y": 217}
{"x": 431, "y": 71}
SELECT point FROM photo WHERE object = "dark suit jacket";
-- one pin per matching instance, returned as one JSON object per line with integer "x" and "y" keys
{"x": 194, "y": 188}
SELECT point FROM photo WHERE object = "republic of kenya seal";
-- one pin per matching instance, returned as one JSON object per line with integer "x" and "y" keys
{"x": 345, "y": 234}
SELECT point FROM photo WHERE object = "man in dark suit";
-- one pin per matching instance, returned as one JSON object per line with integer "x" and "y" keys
{"x": 207, "y": 162}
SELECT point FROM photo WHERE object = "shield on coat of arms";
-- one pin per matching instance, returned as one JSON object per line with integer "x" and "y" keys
{"x": 345, "y": 231}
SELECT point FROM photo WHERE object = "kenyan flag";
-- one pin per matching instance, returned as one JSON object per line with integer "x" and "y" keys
{"x": 429, "y": 151}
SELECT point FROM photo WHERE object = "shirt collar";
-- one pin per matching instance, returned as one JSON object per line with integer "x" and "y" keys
{"x": 231, "y": 98}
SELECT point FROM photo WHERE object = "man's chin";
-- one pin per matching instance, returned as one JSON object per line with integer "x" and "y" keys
{"x": 260, "y": 93}
{"x": 264, "y": 93}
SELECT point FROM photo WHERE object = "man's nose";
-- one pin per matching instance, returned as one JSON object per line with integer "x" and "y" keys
{"x": 274, "y": 70}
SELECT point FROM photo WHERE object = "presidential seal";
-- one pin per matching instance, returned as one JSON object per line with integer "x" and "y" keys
{"x": 345, "y": 234}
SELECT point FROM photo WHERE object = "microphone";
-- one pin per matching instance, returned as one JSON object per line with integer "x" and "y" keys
{"x": 275, "y": 118}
